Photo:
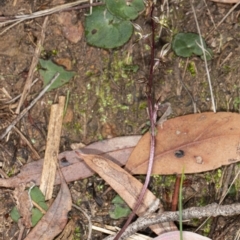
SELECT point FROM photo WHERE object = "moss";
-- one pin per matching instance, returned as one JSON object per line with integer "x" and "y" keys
{"x": 77, "y": 233}
{"x": 207, "y": 227}
{"x": 192, "y": 68}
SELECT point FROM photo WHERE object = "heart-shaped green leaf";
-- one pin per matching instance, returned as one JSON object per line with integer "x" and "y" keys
{"x": 104, "y": 30}
{"x": 49, "y": 69}
{"x": 120, "y": 210}
{"x": 187, "y": 44}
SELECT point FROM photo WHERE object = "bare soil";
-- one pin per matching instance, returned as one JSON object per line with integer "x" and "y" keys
{"x": 106, "y": 101}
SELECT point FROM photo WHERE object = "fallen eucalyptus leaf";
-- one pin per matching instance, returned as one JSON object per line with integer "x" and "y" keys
{"x": 117, "y": 149}
{"x": 195, "y": 143}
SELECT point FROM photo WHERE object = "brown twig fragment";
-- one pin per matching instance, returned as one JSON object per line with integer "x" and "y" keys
{"x": 34, "y": 63}
{"x": 51, "y": 154}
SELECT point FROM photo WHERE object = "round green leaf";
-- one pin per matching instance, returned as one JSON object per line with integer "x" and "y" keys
{"x": 120, "y": 209}
{"x": 104, "y": 30}
{"x": 125, "y": 9}
{"x": 186, "y": 44}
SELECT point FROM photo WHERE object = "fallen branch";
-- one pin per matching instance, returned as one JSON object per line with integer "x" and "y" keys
{"x": 211, "y": 210}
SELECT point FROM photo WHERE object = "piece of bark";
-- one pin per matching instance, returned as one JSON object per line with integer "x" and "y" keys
{"x": 51, "y": 154}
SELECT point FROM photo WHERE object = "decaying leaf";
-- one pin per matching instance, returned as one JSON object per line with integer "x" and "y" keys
{"x": 54, "y": 221}
{"x": 197, "y": 143}
{"x": 117, "y": 149}
{"x": 124, "y": 184}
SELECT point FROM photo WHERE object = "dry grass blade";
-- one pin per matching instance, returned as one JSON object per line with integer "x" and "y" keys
{"x": 205, "y": 61}
{"x": 20, "y": 18}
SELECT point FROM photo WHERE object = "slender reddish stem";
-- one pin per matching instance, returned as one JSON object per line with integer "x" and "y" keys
{"x": 152, "y": 110}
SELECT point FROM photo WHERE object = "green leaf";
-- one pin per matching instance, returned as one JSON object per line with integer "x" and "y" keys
{"x": 130, "y": 68}
{"x": 102, "y": 29}
{"x": 50, "y": 69}
{"x": 120, "y": 210}
{"x": 37, "y": 197}
{"x": 36, "y": 216}
{"x": 187, "y": 44}
{"x": 127, "y": 10}
{"x": 14, "y": 214}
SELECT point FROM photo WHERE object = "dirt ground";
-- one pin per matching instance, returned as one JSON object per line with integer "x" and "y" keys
{"x": 106, "y": 100}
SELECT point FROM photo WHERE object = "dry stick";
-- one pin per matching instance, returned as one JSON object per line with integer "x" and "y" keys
{"x": 110, "y": 230}
{"x": 195, "y": 212}
{"x": 18, "y": 96}
{"x": 205, "y": 59}
{"x": 27, "y": 142}
{"x": 19, "y": 18}
{"x": 14, "y": 122}
{"x": 52, "y": 148}
{"x": 229, "y": 12}
{"x": 34, "y": 63}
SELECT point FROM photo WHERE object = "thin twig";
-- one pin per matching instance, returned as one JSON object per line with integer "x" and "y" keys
{"x": 88, "y": 218}
{"x": 27, "y": 142}
{"x": 229, "y": 12}
{"x": 32, "y": 69}
{"x": 19, "y": 18}
{"x": 205, "y": 59}
{"x": 14, "y": 122}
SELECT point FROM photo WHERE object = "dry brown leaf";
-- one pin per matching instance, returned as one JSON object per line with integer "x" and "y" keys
{"x": 124, "y": 184}
{"x": 195, "y": 143}
{"x": 117, "y": 149}
{"x": 72, "y": 32}
{"x": 54, "y": 221}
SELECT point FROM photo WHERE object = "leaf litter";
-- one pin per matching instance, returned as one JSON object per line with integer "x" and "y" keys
{"x": 199, "y": 142}
{"x": 116, "y": 149}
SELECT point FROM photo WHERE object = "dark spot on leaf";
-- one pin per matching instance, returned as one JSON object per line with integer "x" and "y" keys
{"x": 94, "y": 31}
{"x": 179, "y": 153}
{"x": 64, "y": 160}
